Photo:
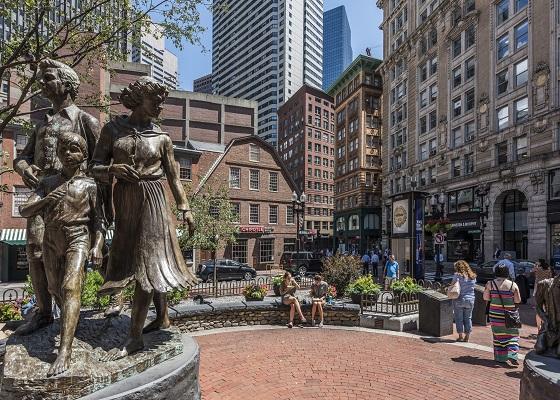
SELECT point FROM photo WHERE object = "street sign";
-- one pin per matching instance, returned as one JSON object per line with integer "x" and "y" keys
{"x": 439, "y": 238}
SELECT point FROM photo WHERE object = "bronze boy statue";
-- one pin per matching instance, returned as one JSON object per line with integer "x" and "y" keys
{"x": 68, "y": 204}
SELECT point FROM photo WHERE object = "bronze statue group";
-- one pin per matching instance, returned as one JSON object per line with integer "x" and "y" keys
{"x": 85, "y": 178}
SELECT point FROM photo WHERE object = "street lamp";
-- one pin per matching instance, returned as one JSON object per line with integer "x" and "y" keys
{"x": 298, "y": 205}
{"x": 437, "y": 202}
{"x": 482, "y": 193}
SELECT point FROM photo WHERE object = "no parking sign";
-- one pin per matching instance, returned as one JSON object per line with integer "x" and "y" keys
{"x": 439, "y": 238}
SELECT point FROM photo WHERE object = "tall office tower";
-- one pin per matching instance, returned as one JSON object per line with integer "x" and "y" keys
{"x": 266, "y": 50}
{"x": 151, "y": 50}
{"x": 472, "y": 118}
{"x": 203, "y": 84}
{"x": 337, "y": 45}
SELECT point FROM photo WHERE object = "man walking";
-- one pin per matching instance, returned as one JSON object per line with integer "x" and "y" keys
{"x": 391, "y": 271}
{"x": 365, "y": 263}
{"x": 507, "y": 262}
{"x": 375, "y": 263}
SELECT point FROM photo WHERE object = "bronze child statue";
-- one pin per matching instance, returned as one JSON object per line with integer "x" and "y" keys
{"x": 70, "y": 210}
{"x": 145, "y": 248}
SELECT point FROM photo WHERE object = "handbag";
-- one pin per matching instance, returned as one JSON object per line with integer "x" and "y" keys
{"x": 454, "y": 290}
{"x": 512, "y": 318}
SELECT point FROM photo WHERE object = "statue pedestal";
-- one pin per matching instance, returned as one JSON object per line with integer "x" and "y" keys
{"x": 541, "y": 378}
{"x": 168, "y": 357}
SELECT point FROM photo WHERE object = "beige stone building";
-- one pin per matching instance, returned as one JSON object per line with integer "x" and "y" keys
{"x": 357, "y": 193}
{"x": 471, "y": 106}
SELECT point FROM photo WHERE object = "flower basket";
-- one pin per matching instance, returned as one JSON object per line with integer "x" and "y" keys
{"x": 276, "y": 282}
{"x": 254, "y": 292}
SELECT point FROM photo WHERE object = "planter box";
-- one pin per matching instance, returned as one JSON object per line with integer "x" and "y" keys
{"x": 357, "y": 298}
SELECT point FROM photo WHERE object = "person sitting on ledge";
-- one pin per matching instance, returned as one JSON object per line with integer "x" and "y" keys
{"x": 287, "y": 291}
{"x": 319, "y": 290}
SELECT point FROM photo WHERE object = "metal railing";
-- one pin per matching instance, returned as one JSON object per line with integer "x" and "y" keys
{"x": 235, "y": 288}
{"x": 390, "y": 303}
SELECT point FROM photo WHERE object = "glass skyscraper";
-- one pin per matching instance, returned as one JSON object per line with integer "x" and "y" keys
{"x": 337, "y": 45}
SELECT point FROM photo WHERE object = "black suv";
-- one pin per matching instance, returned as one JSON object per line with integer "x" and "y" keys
{"x": 226, "y": 270}
{"x": 301, "y": 264}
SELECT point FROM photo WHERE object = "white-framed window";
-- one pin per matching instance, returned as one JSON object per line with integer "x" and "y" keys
{"x": 185, "y": 168}
{"x": 457, "y": 77}
{"x": 521, "y": 147}
{"x": 455, "y": 167}
{"x": 503, "y": 46}
{"x": 266, "y": 251}
{"x": 289, "y": 215}
{"x": 239, "y": 251}
{"x": 273, "y": 181}
{"x": 235, "y": 177}
{"x": 423, "y": 151}
{"x": 457, "y": 107}
{"x": 340, "y": 224}
{"x": 19, "y": 197}
{"x": 254, "y": 175}
{"x": 521, "y": 73}
{"x": 254, "y": 213}
{"x": 236, "y": 210}
{"x": 272, "y": 214}
{"x": 502, "y": 82}
{"x": 521, "y": 34}
{"x": 503, "y": 117}
{"x": 456, "y": 137}
{"x": 254, "y": 153}
{"x": 521, "y": 109}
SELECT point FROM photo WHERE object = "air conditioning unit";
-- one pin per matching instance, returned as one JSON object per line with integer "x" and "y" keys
{"x": 470, "y": 138}
{"x": 433, "y": 152}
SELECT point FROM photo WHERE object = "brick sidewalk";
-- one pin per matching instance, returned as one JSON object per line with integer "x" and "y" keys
{"x": 527, "y": 335}
{"x": 309, "y": 363}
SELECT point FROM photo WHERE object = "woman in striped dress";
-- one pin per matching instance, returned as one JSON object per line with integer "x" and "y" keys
{"x": 506, "y": 340}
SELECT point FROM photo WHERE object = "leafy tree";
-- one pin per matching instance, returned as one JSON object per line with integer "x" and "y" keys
{"x": 94, "y": 33}
{"x": 214, "y": 219}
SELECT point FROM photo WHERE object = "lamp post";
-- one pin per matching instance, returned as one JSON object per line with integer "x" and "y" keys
{"x": 437, "y": 201}
{"x": 298, "y": 205}
{"x": 482, "y": 194}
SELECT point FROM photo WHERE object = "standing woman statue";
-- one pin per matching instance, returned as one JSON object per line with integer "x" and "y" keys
{"x": 145, "y": 248}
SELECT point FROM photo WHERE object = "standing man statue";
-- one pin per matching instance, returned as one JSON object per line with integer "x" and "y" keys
{"x": 38, "y": 160}
{"x": 547, "y": 299}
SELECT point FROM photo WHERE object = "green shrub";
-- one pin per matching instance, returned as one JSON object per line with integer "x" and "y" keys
{"x": 176, "y": 295}
{"x": 363, "y": 285}
{"x": 10, "y": 312}
{"x": 277, "y": 280}
{"x": 90, "y": 298}
{"x": 340, "y": 270}
{"x": 28, "y": 288}
{"x": 406, "y": 285}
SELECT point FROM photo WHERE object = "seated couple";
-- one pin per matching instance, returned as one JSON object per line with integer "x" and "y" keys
{"x": 318, "y": 293}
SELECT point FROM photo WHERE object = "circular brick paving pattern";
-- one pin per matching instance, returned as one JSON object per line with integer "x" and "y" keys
{"x": 283, "y": 364}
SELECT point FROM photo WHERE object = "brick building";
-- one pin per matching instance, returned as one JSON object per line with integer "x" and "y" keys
{"x": 357, "y": 195}
{"x": 260, "y": 189}
{"x": 306, "y": 145}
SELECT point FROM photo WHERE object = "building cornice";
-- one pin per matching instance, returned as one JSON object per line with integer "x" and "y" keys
{"x": 360, "y": 63}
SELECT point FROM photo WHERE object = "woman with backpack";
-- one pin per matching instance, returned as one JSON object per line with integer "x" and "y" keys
{"x": 504, "y": 297}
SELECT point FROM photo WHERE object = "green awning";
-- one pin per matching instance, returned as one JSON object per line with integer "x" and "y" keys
{"x": 13, "y": 236}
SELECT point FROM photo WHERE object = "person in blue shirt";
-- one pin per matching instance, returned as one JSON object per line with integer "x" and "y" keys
{"x": 464, "y": 304}
{"x": 507, "y": 263}
{"x": 391, "y": 271}
{"x": 365, "y": 263}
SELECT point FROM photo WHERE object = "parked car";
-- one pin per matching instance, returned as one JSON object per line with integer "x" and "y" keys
{"x": 524, "y": 275}
{"x": 226, "y": 270}
{"x": 301, "y": 264}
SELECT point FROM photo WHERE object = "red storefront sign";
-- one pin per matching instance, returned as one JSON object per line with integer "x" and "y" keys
{"x": 251, "y": 229}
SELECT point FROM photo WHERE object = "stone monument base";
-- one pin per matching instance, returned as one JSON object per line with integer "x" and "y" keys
{"x": 28, "y": 358}
{"x": 541, "y": 378}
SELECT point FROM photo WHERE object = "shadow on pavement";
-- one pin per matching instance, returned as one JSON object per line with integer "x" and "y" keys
{"x": 484, "y": 362}
{"x": 437, "y": 340}
{"x": 514, "y": 374}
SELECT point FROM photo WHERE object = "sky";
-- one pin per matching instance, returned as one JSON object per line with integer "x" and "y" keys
{"x": 363, "y": 15}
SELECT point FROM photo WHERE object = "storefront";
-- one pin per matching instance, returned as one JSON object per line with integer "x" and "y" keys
{"x": 13, "y": 259}
{"x": 553, "y": 219}
{"x": 463, "y": 237}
